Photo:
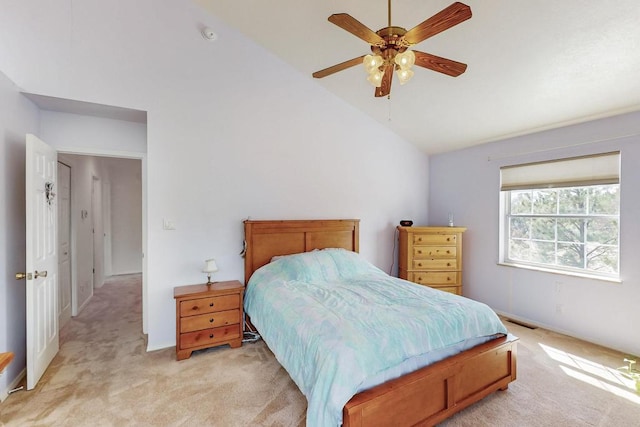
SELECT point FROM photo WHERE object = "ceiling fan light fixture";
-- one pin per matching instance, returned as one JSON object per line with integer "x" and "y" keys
{"x": 404, "y": 75}
{"x": 375, "y": 77}
{"x": 372, "y": 63}
{"x": 405, "y": 60}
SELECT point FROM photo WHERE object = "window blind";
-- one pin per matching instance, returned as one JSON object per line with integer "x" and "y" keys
{"x": 599, "y": 169}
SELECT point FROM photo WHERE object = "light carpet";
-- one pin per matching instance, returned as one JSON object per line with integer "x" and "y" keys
{"x": 102, "y": 376}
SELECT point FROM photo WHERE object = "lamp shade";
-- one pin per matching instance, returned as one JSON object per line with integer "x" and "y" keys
{"x": 372, "y": 63}
{"x": 375, "y": 78}
{"x": 210, "y": 266}
{"x": 405, "y": 60}
{"x": 404, "y": 75}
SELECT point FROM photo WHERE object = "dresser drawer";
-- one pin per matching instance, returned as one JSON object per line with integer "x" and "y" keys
{"x": 435, "y": 239}
{"x": 422, "y": 252}
{"x": 457, "y": 290}
{"x": 434, "y": 278}
{"x": 209, "y": 305}
{"x": 435, "y": 264}
{"x": 209, "y": 320}
{"x": 209, "y": 336}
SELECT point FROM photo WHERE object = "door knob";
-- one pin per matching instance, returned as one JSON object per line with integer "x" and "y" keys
{"x": 20, "y": 276}
{"x": 40, "y": 274}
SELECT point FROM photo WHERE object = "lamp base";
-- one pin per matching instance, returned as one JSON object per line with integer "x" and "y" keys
{"x": 209, "y": 282}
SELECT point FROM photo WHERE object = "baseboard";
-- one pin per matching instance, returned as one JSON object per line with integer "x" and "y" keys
{"x": 84, "y": 304}
{"x": 560, "y": 331}
{"x": 13, "y": 384}
{"x": 157, "y": 347}
{"x": 125, "y": 273}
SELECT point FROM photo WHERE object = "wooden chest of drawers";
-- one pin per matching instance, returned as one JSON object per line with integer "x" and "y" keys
{"x": 431, "y": 256}
{"x": 208, "y": 316}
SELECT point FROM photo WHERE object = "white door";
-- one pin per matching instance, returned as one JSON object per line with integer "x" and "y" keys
{"x": 63, "y": 198}
{"x": 42, "y": 258}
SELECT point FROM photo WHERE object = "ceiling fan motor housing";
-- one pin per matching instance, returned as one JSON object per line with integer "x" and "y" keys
{"x": 394, "y": 43}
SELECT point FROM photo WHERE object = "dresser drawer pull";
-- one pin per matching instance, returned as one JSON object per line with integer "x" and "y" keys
{"x": 448, "y": 264}
{"x": 448, "y": 239}
{"x": 210, "y": 304}
{"x": 210, "y": 335}
{"x": 419, "y": 264}
{"x": 211, "y": 320}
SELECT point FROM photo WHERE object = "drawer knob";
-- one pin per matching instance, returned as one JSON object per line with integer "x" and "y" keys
{"x": 448, "y": 264}
{"x": 211, "y": 320}
{"x": 448, "y": 278}
{"x": 210, "y": 335}
{"x": 448, "y": 239}
{"x": 211, "y": 305}
{"x": 419, "y": 264}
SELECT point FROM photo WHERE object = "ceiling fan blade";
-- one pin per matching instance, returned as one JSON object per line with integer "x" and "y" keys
{"x": 441, "y": 65}
{"x": 443, "y": 20}
{"x": 357, "y": 28}
{"x": 338, "y": 67}
{"x": 385, "y": 87}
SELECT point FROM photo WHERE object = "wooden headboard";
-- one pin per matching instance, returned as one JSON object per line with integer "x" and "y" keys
{"x": 266, "y": 239}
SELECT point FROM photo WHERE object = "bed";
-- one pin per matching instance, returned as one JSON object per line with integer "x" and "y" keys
{"x": 424, "y": 396}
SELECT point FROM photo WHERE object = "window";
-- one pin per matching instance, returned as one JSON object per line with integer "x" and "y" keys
{"x": 563, "y": 215}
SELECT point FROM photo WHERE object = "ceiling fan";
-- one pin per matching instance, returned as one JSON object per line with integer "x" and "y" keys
{"x": 390, "y": 44}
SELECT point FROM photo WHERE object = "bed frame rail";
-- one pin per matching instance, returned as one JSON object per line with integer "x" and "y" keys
{"x": 435, "y": 392}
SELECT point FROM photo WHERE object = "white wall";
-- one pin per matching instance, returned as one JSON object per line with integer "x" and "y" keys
{"x": 125, "y": 196}
{"x": 467, "y": 183}
{"x": 18, "y": 116}
{"x": 223, "y": 143}
{"x": 81, "y": 133}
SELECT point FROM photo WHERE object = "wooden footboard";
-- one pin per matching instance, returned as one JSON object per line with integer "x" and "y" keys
{"x": 431, "y": 394}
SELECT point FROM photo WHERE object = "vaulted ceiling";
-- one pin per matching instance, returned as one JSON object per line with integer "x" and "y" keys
{"x": 532, "y": 65}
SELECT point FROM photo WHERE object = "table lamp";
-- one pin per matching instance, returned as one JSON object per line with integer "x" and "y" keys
{"x": 210, "y": 267}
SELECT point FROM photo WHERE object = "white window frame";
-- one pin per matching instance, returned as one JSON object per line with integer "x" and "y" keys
{"x": 564, "y": 173}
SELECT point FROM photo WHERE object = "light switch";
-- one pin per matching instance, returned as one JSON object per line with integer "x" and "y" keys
{"x": 168, "y": 224}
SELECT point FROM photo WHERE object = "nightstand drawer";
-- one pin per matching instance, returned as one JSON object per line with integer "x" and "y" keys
{"x": 210, "y": 320}
{"x": 434, "y": 278}
{"x": 209, "y": 336}
{"x": 435, "y": 264}
{"x": 435, "y": 239}
{"x": 209, "y": 305}
{"x": 422, "y": 252}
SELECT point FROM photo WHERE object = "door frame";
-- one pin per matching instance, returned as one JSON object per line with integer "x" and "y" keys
{"x": 73, "y": 303}
{"x": 75, "y": 212}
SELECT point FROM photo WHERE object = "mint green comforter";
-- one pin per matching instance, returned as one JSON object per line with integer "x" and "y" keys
{"x": 333, "y": 320}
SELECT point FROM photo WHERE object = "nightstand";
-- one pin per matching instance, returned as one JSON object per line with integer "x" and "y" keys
{"x": 208, "y": 316}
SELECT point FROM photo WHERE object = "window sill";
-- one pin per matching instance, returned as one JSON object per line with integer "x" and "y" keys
{"x": 561, "y": 272}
